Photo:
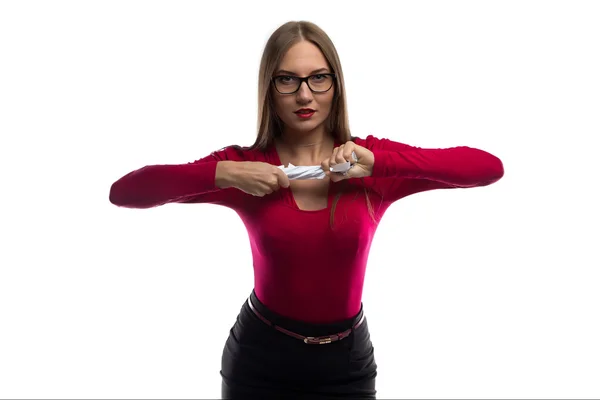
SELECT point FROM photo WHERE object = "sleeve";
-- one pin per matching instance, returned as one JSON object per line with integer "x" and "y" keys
{"x": 404, "y": 170}
{"x": 194, "y": 182}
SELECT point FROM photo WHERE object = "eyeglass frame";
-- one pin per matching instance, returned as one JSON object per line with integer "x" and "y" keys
{"x": 305, "y": 79}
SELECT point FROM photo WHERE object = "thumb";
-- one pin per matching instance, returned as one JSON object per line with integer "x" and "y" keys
{"x": 282, "y": 178}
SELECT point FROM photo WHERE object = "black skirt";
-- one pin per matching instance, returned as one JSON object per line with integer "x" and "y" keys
{"x": 262, "y": 362}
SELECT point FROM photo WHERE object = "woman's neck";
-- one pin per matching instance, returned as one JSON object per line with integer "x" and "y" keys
{"x": 305, "y": 149}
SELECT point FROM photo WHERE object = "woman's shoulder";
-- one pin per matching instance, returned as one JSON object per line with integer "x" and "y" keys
{"x": 370, "y": 142}
{"x": 373, "y": 143}
{"x": 235, "y": 152}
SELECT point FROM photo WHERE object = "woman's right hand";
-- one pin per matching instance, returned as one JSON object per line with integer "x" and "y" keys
{"x": 252, "y": 177}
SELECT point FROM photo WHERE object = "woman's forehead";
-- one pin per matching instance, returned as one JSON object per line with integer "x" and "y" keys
{"x": 303, "y": 58}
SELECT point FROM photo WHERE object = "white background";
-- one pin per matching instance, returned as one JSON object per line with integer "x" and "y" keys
{"x": 479, "y": 293}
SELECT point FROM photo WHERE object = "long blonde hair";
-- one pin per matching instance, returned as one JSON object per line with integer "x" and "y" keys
{"x": 269, "y": 124}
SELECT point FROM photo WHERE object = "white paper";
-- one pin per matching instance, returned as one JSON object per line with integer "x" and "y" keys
{"x": 315, "y": 172}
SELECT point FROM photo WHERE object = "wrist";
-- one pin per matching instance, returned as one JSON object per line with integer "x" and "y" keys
{"x": 369, "y": 163}
{"x": 225, "y": 174}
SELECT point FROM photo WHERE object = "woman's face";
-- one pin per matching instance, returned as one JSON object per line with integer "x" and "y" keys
{"x": 302, "y": 60}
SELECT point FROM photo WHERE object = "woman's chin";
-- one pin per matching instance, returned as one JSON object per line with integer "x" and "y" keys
{"x": 305, "y": 126}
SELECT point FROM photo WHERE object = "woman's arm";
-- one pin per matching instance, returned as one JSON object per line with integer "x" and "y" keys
{"x": 201, "y": 181}
{"x": 414, "y": 169}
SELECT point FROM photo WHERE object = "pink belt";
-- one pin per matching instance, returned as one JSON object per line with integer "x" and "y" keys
{"x": 308, "y": 339}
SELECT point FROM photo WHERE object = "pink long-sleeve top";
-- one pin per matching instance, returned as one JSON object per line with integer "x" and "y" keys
{"x": 303, "y": 268}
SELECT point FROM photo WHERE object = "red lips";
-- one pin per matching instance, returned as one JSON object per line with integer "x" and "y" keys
{"x": 304, "y": 111}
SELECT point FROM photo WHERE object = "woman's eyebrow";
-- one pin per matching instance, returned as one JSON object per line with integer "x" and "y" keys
{"x": 283, "y": 71}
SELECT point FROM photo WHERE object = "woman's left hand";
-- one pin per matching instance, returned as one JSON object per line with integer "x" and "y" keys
{"x": 361, "y": 168}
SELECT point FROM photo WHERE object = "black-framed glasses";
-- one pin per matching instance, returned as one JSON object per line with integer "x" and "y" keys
{"x": 317, "y": 83}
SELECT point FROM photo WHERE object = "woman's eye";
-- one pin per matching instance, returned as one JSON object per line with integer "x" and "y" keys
{"x": 285, "y": 79}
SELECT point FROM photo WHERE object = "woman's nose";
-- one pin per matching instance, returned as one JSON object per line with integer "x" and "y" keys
{"x": 304, "y": 92}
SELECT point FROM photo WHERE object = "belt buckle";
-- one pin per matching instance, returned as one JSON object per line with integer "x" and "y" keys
{"x": 319, "y": 340}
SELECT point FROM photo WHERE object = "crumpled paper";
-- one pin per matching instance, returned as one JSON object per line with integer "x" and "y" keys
{"x": 315, "y": 172}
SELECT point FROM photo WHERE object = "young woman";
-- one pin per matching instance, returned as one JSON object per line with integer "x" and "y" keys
{"x": 302, "y": 332}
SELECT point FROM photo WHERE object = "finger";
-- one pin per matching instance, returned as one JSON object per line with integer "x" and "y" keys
{"x": 267, "y": 190}
{"x": 271, "y": 183}
{"x": 282, "y": 179}
{"x": 325, "y": 166}
{"x": 332, "y": 159}
{"x": 336, "y": 177}
{"x": 339, "y": 157}
{"x": 260, "y": 191}
{"x": 348, "y": 150}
